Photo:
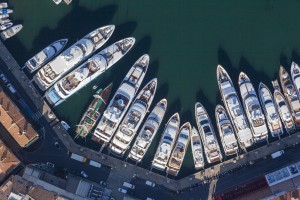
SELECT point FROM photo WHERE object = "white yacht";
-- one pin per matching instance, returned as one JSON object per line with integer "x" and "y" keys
{"x": 45, "y": 55}
{"x": 197, "y": 149}
{"x": 4, "y": 21}
{"x": 270, "y": 110}
{"x": 226, "y": 131}
{"x": 209, "y": 140}
{"x": 6, "y": 11}
{"x": 148, "y": 131}
{"x": 72, "y": 56}
{"x": 57, "y": 1}
{"x": 133, "y": 119}
{"x": 88, "y": 71}
{"x": 284, "y": 112}
{"x": 166, "y": 143}
{"x": 290, "y": 95}
{"x": 253, "y": 109}
{"x": 3, "y": 5}
{"x": 295, "y": 74}
{"x": 4, "y": 16}
{"x": 121, "y": 101}
{"x": 234, "y": 108}
{"x": 8, "y": 33}
{"x": 5, "y": 26}
{"x": 179, "y": 149}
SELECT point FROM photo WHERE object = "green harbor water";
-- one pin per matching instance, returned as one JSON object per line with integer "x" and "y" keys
{"x": 185, "y": 40}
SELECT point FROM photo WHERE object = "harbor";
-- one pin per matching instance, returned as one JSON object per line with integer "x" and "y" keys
{"x": 232, "y": 137}
{"x": 129, "y": 171}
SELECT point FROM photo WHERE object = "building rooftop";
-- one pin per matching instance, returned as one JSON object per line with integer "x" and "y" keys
{"x": 15, "y": 123}
{"x": 17, "y": 187}
{"x": 8, "y": 161}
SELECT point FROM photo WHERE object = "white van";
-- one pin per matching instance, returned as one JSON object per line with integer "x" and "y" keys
{"x": 128, "y": 185}
{"x": 277, "y": 154}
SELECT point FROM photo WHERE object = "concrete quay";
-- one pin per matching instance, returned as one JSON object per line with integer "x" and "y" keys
{"x": 122, "y": 171}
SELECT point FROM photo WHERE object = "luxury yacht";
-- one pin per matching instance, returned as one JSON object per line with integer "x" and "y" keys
{"x": 94, "y": 111}
{"x": 3, "y": 5}
{"x": 148, "y": 131}
{"x": 72, "y": 56}
{"x": 207, "y": 134}
{"x": 253, "y": 109}
{"x": 4, "y": 16}
{"x": 11, "y": 31}
{"x": 234, "y": 108}
{"x": 88, "y": 71}
{"x": 4, "y": 21}
{"x": 284, "y": 112}
{"x": 197, "y": 149}
{"x": 290, "y": 95}
{"x": 179, "y": 150}
{"x": 5, "y": 26}
{"x": 295, "y": 74}
{"x": 226, "y": 131}
{"x": 133, "y": 119}
{"x": 270, "y": 110}
{"x": 6, "y": 11}
{"x": 121, "y": 101}
{"x": 45, "y": 55}
{"x": 166, "y": 143}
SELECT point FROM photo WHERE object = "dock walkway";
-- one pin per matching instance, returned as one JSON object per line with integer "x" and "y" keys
{"x": 122, "y": 171}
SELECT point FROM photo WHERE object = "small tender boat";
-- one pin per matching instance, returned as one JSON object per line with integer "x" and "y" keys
{"x": 179, "y": 150}
{"x": 226, "y": 131}
{"x": 253, "y": 109}
{"x": 148, "y": 131}
{"x": 94, "y": 111}
{"x": 4, "y": 21}
{"x": 11, "y": 31}
{"x": 6, "y": 26}
{"x": 290, "y": 95}
{"x": 166, "y": 143}
{"x": 234, "y": 108}
{"x": 284, "y": 112}
{"x": 45, "y": 55}
{"x": 6, "y": 11}
{"x": 270, "y": 110}
{"x": 65, "y": 125}
{"x": 207, "y": 134}
{"x": 3, "y": 5}
{"x": 133, "y": 119}
{"x": 197, "y": 150}
{"x": 4, "y": 16}
{"x": 121, "y": 101}
{"x": 295, "y": 74}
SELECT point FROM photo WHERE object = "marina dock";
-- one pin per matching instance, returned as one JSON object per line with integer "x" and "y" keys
{"x": 122, "y": 171}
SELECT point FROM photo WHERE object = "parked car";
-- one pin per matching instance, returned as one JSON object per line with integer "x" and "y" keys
{"x": 150, "y": 183}
{"x": 4, "y": 79}
{"x": 84, "y": 174}
{"x": 11, "y": 88}
{"x": 122, "y": 190}
{"x": 277, "y": 154}
{"x": 128, "y": 185}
